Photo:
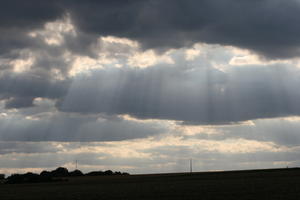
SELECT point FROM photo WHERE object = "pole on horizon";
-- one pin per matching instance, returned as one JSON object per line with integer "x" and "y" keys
{"x": 76, "y": 165}
{"x": 191, "y": 165}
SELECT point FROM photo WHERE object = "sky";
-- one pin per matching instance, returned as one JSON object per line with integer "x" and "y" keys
{"x": 143, "y": 86}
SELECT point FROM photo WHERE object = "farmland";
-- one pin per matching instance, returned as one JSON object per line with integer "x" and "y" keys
{"x": 250, "y": 184}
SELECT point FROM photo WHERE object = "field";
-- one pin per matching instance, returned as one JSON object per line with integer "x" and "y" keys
{"x": 251, "y": 184}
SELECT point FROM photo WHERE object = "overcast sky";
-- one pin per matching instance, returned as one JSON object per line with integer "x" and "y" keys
{"x": 144, "y": 85}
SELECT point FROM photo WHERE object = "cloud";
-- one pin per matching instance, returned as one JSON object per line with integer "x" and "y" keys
{"x": 200, "y": 95}
{"x": 268, "y": 27}
{"x": 168, "y": 154}
{"x": 21, "y": 89}
{"x": 281, "y": 131}
{"x": 142, "y": 77}
{"x": 204, "y": 90}
{"x": 51, "y": 126}
{"x": 28, "y": 147}
{"x": 18, "y": 18}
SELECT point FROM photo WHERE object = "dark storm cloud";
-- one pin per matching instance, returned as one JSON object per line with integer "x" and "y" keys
{"x": 17, "y": 18}
{"x": 27, "y": 14}
{"x": 269, "y": 27}
{"x": 21, "y": 89}
{"x": 201, "y": 95}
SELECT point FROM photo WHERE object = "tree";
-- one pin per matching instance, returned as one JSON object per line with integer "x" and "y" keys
{"x": 60, "y": 172}
{"x": 2, "y": 176}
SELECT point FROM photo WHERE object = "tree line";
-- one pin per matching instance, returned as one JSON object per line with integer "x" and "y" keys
{"x": 59, "y": 174}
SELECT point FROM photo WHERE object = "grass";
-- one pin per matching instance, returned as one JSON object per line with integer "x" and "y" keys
{"x": 251, "y": 184}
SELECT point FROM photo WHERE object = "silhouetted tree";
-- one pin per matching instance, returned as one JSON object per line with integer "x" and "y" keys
{"x": 30, "y": 177}
{"x": 76, "y": 173}
{"x": 108, "y": 172}
{"x": 45, "y": 173}
{"x": 60, "y": 172}
{"x": 95, "y": 173}
{"x": 46, "y": 176}
{"x": 105, "y": 173}
{"x": 14, "y": 178}
{"x": 118, "y": 173}
{"x": 2, "y": 176}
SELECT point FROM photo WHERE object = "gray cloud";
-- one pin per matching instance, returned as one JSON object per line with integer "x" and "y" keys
{"x": 282, "y": 132}
{"x": 17, "y": 18}
{"x": 203, "y": 95}
{"x": 19, "y": 102}
{"x": 193, "y": 92}
{"x": 21, "y": 89}
{"x": 76, "y": 128}
{"x": 27, "y": 147}
{"x": 269, "y": 27}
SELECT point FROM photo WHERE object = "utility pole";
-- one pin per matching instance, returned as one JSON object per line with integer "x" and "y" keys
{"x": 76, "y": 165}
{"x": 191, "y": 165}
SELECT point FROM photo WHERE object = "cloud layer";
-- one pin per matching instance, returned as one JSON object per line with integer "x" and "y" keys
{"x": 145, "y": 84}
{"x": 268, "y": 27}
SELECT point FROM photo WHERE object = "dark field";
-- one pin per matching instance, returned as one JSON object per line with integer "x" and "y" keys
{"x": 254, "y": 184}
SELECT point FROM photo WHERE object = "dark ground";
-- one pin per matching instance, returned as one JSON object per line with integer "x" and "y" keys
{"x": 254, "y": 184}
